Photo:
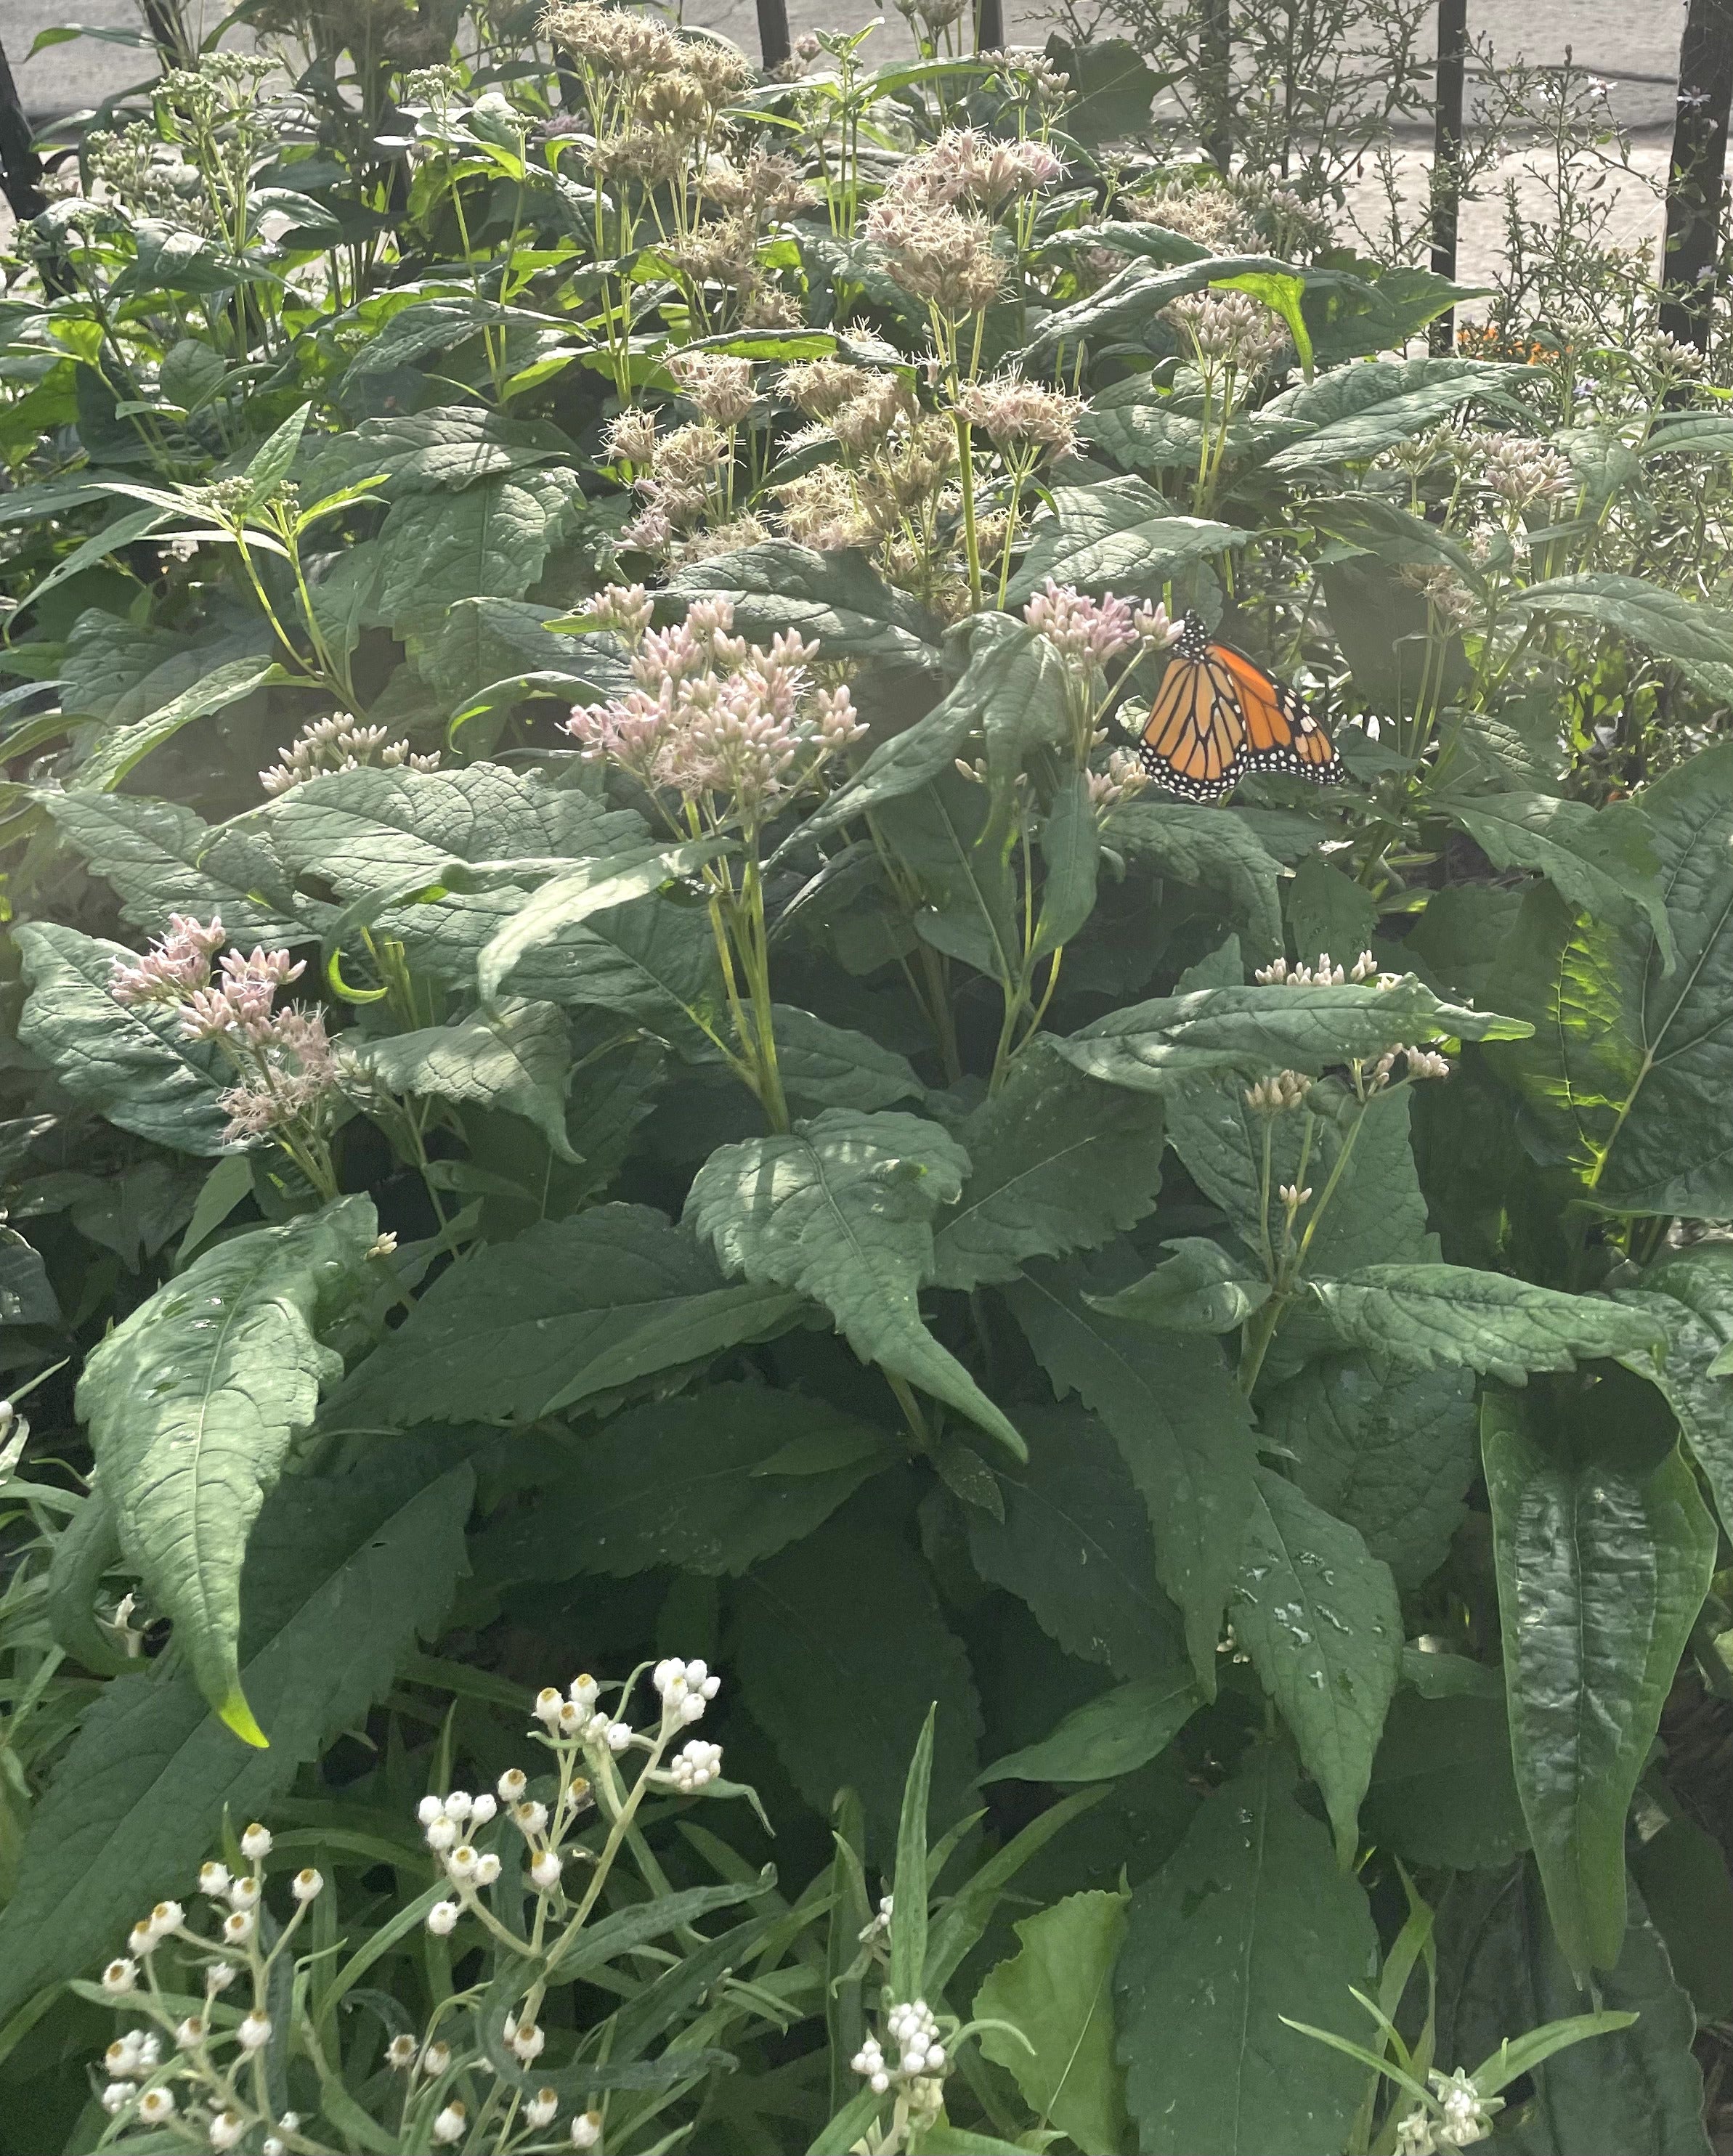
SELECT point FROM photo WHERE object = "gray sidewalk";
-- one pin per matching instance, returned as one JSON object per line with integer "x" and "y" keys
{"x": 1634, "y": 43}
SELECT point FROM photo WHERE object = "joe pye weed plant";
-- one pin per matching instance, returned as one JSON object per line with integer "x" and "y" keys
{"x": 620, "y": 1056}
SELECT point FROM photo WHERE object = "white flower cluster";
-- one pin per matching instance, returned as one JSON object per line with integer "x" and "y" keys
{"x": 687, "y": 1689}
{"x": 694, "y": 1765}
{"x": 916, "y": 2052}
{"x": 1279, "y": 974}
{"x": 1465, "y": 2117}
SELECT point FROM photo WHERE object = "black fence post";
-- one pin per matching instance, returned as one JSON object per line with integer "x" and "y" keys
{"x": 1215, "y": 81}
{"x": 1446, "y": 180}
{"x": 989, "y": 26}
{"x": 775, "y": 43}
{"x": 1696, "y": 184}
{"x": 20, "y": 167}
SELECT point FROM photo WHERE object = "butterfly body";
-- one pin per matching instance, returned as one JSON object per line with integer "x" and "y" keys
{"x": 1217, "y": 715}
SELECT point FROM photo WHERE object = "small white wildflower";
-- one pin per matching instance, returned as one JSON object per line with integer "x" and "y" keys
{"x": 156, "y": 2105}
{"x": 512, "y": 1785}
{"x": 117, "y": 2096}
{"x": 220, "y": 1976}
{"x": 584, "y": 1692}
{"x": 254, "y": 2033}
{"x": 586, "y": 2129}
{"x": 400, "y": 2054}
{"x": 540, "y": 2109}
{"x": 452, "y": 2122}
{"x": 442, "y": 1918}
{"x": 869, "y": 2063}
{"x": 694, "y": 1765}
{"x": 488, "y": 1868}
{"x": 546, "y": 1869}
{"x": 213, "y": 1879}
{"x": 274, "y": 2145}
{"x": 237, "y": 1927}
{"x": 243, "y": 1893}
{"x": 256, "y": 1843}
{"x": 306, "y": 1884}
{"x": 434, "y": 2059}
{"x": 430, "y": 1808}
{"x": 226, "y": 2129}
{"x": 191, "y": 2032}
{"x": 460, "y": 1864}
{"x": 548, "y": 1706}
{"x": 618, "y": 1736}
{"x": 1414, "y": 2134}
{"x": 529, "y": 1817}
{"x": 458, "y": 1805}
{"x": 120, "y": 1976}
{"x": 528, "y": 2042}
{"x": 442, "y": 1835}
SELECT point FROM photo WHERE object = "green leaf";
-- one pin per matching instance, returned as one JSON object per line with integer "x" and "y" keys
{"x": 130, "y": 1062}
{"x": 572, "y": 1311}
{"x": 1443, "y": 1787}
{"x": 445, "y": 448}
{"x": 1116, "y": 533}
{"x": 1129, "y": 303}
{"x": 699, "y": 1483}
{"x": 1152, "y": 1045}
{"x": 1355, "y": 412}
{"x": 1281, "y": 291}
{"x": 1250, "y": 1921}
{"x": 837, "y": 600}
{"x": 1135, "y": 422}
{"x": 841, "y": 1208}
{"x": 1638, "y": 2090}
{"x": 117, "y": 751}
{"x": 1057, "y": 1991}
{"x": 1601, "y": 861}
{"x": 909, "y": 1884}
{"x": 570, "y": 900}
{"x": 1629, "y": 1077}
{"x": 1113, "y": 1734}
{"x": 342, "y": 1574}
{"x": 1059, "y": 1163}
{"x": 516, "y": 1057}
{"x": 1201, "y": 1288}
{"x": 1435, "y": 1316}
{"x": 1390, "y": 1451}
{"x": 1690, "y": 1293}
{"x": 27, "y": 1296}
{"x": 490, "y": 540}
{"x": 1074, "y": 1543}
{"x": 956, "y": 852}
{"x": 271, "y": 463}
{"x": 159, "y": 858}
{"x": 831, "y": 1066}
{"x": 1209, "y": 850}
{"x": 842, "y": 1701}
{"x": 1319, "y": 1617}
{"x": 1655, "y": 619}
{"x": 192, "y": 1403}
{"x": 1071, "y": 854}
{"x": 1603, "y": 1567}
{"x": 1181, "y": 1424}
{"x": 1328, "y": 913}
{"x": 1682, "y": 1872}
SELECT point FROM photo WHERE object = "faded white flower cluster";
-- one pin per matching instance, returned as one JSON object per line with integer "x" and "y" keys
{"x": 733, "y": 725}
{"x": 340, "y": 742}
{"x": 1464, "y": 2116}
{"x": 1227, "y": 332}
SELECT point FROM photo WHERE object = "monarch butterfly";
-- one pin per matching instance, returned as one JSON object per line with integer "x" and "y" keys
{"x": 1216, "y": 714}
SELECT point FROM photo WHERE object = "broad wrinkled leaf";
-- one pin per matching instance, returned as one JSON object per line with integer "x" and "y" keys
{"x": 117, "y": 751}
{"x": 1638, "y": 2090}
{"x": 1603, "y": 1567}
{"x": 516, "y": 1057}
{"x": 711, "y": 1483}
{"x": 342, "y": 1573}
{"x": 1435, "y": 1317}
{"x": 1129, "y": 303}
{"x": 573, "y": 1310}
{"x": 841, "y": 1208}
{"x": 1355, "y": 411}
{"x": 957, "y": 852}
{"x": 1182, "y": 1424}
{"x": 1075, "y": 1544}
{"x": 445, "y": 448}
{"x": 1209, "y": 851}
{"x": 1443, "y": 1787}
{"x": 1057, "y": 1163}
{"x": 1135, "y": 422}
{"x": 1328, "y": 913}
{"x": 1690, "y": 1293}
{"x": 838, "y": 600}
{"x": 1201, "y": 1288}
{"x": 1681, "y": 1872}
{"x": 1653, "y": 617}
{"x": 856, "y": 1729}
{"x": 1249, "y": 1921}
{"x": 160, "y": 859}
{"x": 192, "y": 1405}
{"x": 1113, "y": 1734}
{"x": 537, "y": 931}
{"x": 1071, "y": 855}
{"x": 1118, "y": 535}
{"x": 26, "y": 1294}
{"x": 1390, "y": 1451}
{"x": 1629, "y": 1077}
{"x": 1057, "y": 1991}
{"x": 1154, "y": 1045}
{"x": 1319, "y": 1615}
{"x": 131, "y": 1063}
{"x": 832, "y": 1066}
{"x": 492, "y": 539}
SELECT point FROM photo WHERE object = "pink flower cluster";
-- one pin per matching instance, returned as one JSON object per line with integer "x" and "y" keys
{"x": 1096, "y": 630}
{"x": 966, "y": 169}
{"x": 284, "y": 1059}
{"x": 712, "y": 718}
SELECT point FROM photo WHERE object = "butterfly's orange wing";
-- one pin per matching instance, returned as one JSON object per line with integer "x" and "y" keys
{"x": 1217, "y": 714}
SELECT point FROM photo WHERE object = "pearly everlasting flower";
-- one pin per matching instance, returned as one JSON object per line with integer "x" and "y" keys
{"x": 436, "y": 2059}
{"x": 686, "y": 1688}
{"x": 254, "y": 2032}
{"x": 132, "y": 2057}
{"x": 916, "y": 2033}
{"x": 119, "y": 1977}
{"x": 442, "y": 1918}
{"x": 869, "y": 2063}
{"x": 545, "y": 1871}
{"x": 243, "y": 1893}
{"x": 879, "y": 1927}
{"x": 548, "y": 1706}
{"x": 452, "y": 2122}
{"x": 461, "y": 1863}
{"x": 191, "y": 2032}
{"x": 540, "y": 2108}
{"x": 117, "y": 2096}
{"x": 527, "y": 2042}
{"x": 529, "y": 1818}
{"x": 156, "y": 2105}
{"x": 512, "y": 1785}
{"x": 220, "y": 1976}
{"x": 617, "y": 1736}
{"x": 306, "y": 1884}
{"x": 483, "y": 1808}
{"x": 694, "y": 1766}
{"x": 1467, "y": 2114}
{"x": 226, "y": 2129}
{"x": 584, "y": 1691}
{"x": 213, "y": 1879}
{"x": 488, "y": 1868}
{"x": 1414, "y": 2135}
{"x": 400, "y": 2054}
{"x": 586, "y": 2129}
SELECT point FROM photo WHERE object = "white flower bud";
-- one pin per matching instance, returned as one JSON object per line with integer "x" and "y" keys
{"x": 117, "y": 2096}
{"x": 451, "y": 2124}
{"x": 546, "y": 1869}
{"x": 512, "y": 1785}
{"x": 400, "y": 2054}
{"x": 226, "y": 2129}
{"x": 540, "y": 2109}
{"x": 434, "y": 2059}
{"x": 459, "y": 1804}
{"x": 274, "y": 2145}
{"x": 528, "y": 2042}
{"x": 584, "y": 1691}
{"x": 255, "y": 1843}
{"x": 119, "y": 1977}
{"x": 156, "y": 2105}
{"x": 191, "y": 2032}
{"x": 243, "y": 1893}
{"x": 442, "y": 1834}
{"x": 442, "y": 1918}
{"x": 548, "y": 1706}
{"x": 142, "y": 1939}
{"x": 618, "y": 1736}
{"x": 237, "y": 1927}
{"x": 488, "y": 1868}
{"x": 254, "y": 2031}
{"x": 482, "y": 1809}
{"x": 529, "y": 1817}
{"x": 430, "y": 1808}
{"x": 213, "y": 1879}
{"x": 306, "y": 1884}
{"x": 220, "y": 1976}
{"x": 586, "y": 2129}
{"x": 460, "y": 1864}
